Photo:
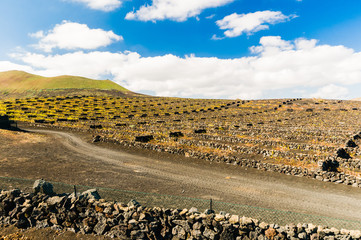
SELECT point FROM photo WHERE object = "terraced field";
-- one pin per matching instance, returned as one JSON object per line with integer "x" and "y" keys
{"x": 291, "y": 136}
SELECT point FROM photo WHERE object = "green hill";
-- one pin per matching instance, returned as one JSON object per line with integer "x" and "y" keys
{"x": 18, "y": 84}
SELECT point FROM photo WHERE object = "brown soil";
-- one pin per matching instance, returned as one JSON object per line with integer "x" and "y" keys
{"x": 66, "y": 157}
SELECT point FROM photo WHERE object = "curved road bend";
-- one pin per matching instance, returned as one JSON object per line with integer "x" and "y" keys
{"x": 228, "y": 183}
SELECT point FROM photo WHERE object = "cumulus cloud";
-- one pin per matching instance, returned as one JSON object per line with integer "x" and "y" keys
{"x": 331, "y": 91}
{"x": 177, "y": 10}
{"x": 7, "y": 66}
{"x": 273, "y": 44}
{"x": 277, "y": 65}
{"x": 238, "y": 24}
{"x": 103, "y": 5}
{"x": 72, "y": 35}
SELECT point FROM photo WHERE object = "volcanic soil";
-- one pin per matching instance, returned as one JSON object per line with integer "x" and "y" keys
{"x": 71, "y": 158}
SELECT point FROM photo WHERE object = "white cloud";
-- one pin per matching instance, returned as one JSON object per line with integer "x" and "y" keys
{"x": 72, "y": 35}
{"x": 38, "y": 34}
{"x": 211, "y": 16}
{"x": 7, "y": 66}
{"x": 331, "y": 91}
{"x": 278, "y": 65}
{"x": 215, "y": 37}
{"x": 272, "y": 44}
{"x": 178, "y": 10}
{"x": 237, "y": 24}
{"x": 103, "y": 5}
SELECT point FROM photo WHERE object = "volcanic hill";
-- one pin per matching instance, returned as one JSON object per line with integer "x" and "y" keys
{"x": 19, "y": 84}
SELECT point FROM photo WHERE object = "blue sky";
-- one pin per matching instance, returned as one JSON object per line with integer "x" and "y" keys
{"x": 188, "y": 48}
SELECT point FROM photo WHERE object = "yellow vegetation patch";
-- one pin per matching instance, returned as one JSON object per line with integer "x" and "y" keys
{"x": 14, "y": 236}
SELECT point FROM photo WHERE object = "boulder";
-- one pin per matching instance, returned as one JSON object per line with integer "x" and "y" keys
{"x": 342, "y": 153}
{"x": 133, "y": 204}
{"x": 270, "y": 233}
{"x": 184, "y": 224}
{"x": 193, "y": 210}
{"x": 234, "y": 219}
{"x": 91, "y": 193}
{"x": 56, "y": 200}
{"x": 179, "y": 232}
{"x": 357, "y": 137}
{"x": 101, "y": 227}
{"x": 200, "y": 131}
{"x": 355, "y": 234}
{"x": 229, "y": 232}
{"x": 351, "y": 143}
{"x": 176, "y": 134}
{"x": 96, "y": 126}
{"x": 96, "y": 139}
{"x": 41, "y": 186}
{"x": 263, "y": 225}
{"x": 208, "y": 211}
{"x": 209, "y": 234}
{"x": 144, "y": 139}
{"x": 329, "y": 165}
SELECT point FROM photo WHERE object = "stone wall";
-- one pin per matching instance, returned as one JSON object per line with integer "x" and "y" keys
{"x": 87, "y": 213}
{"x": 318, "y": 174}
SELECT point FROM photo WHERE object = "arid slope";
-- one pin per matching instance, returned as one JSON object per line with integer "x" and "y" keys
{"x": 19, "y": 84}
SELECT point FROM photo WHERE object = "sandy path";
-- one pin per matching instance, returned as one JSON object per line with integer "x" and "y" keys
{"x": 202, "y": 179}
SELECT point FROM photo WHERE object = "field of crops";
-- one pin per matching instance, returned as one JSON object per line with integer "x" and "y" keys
{"x": 296, "y": 132}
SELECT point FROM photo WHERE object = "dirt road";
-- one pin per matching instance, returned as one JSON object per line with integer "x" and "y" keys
{"x": 196, "y": 178}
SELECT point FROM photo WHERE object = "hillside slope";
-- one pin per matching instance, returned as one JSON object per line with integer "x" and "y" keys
{"x": 17, "y": 84}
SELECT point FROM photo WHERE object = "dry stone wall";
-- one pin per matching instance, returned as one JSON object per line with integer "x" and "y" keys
{"x": 87, "y": 213}
{"x": 318, "y": 174}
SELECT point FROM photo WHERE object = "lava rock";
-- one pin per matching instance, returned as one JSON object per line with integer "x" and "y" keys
{"x": 41, "y": 186}
{"x": 200, "y": 131}
{"x": 96, "y": 139}
{"x": 96, "y": 126}
{"x": 342, "y": 153}
{"x": 351, "y": 143}
{"x": 144, "y": 139}
{"x": 91, "y": 193}
{"x": 329, "y": 165}
{"x": 176, "y": 134}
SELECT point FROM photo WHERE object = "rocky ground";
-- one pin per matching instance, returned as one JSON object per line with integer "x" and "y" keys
{"x": 65, "y": 157}
{"x": 184, "y": 143}
{"x": 87, "y": 213}
{"x": 302, "y": 133}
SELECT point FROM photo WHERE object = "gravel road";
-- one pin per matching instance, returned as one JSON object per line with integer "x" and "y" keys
{"x": 173, "y": 175}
